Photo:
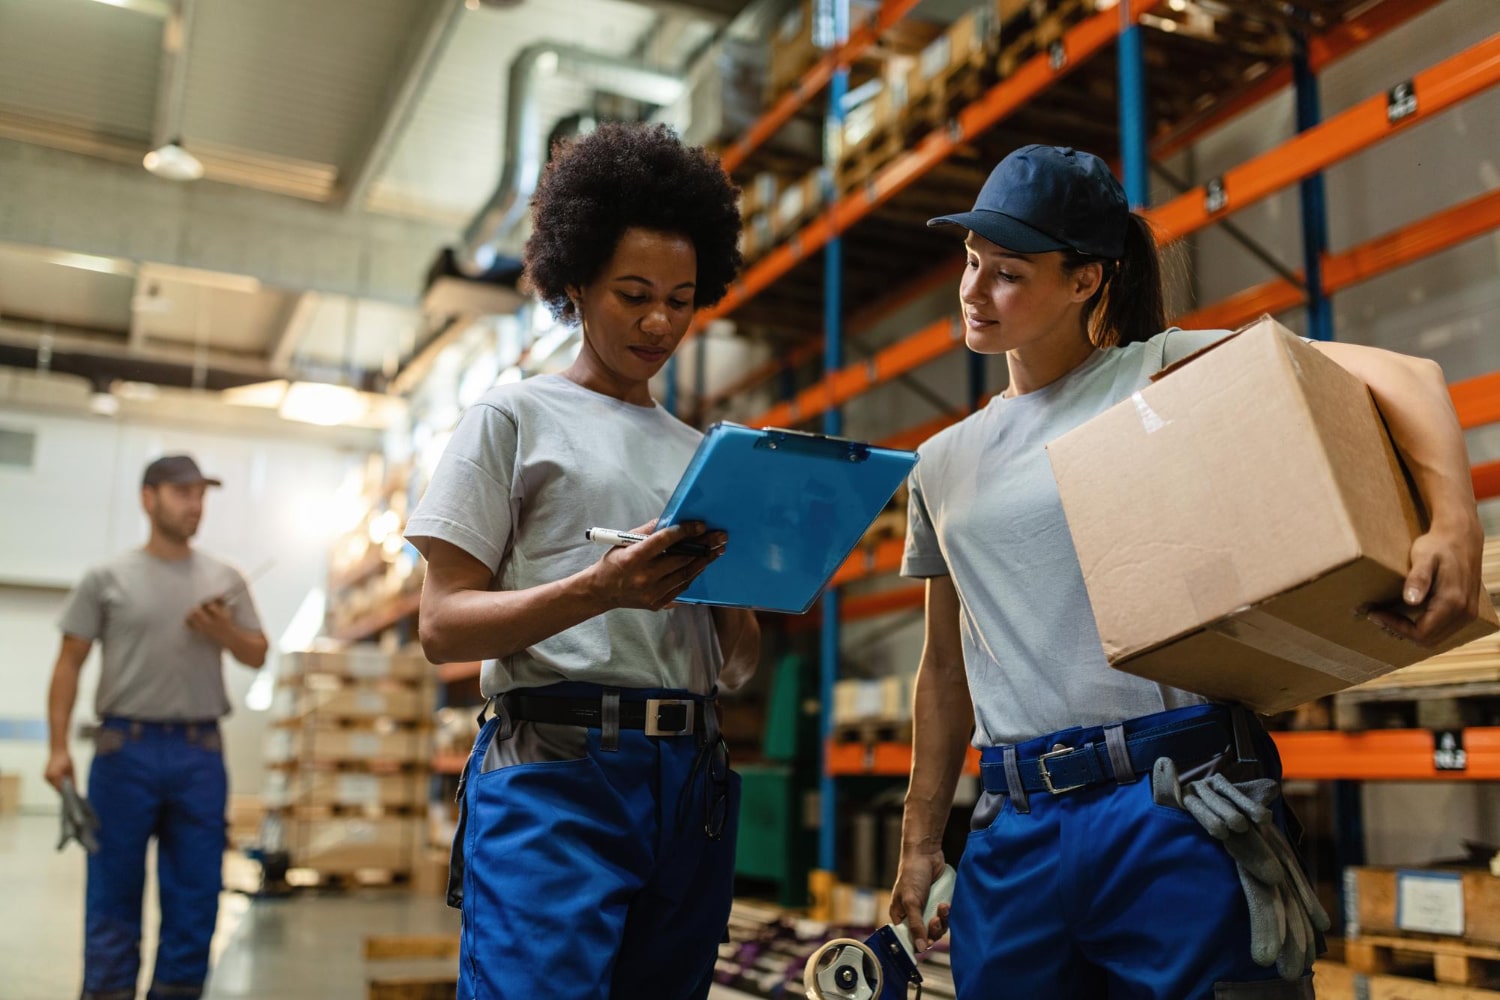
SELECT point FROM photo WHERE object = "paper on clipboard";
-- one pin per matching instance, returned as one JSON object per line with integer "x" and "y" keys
{"x": 794, "y": 505}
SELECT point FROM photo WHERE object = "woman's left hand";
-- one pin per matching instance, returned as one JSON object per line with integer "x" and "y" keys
{"x": 1442, "y": 588}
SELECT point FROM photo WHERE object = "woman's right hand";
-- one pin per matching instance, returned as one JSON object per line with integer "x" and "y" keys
{"x": 645, "y": 575}
{"x": 920, "y": 867}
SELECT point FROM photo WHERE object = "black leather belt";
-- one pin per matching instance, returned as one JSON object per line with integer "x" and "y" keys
{"x": 654, "y": 716}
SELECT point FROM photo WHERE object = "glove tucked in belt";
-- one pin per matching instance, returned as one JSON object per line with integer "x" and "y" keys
{"x": 1284, "y": 912}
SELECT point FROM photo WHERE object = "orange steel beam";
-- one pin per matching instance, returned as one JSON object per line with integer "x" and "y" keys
{"x": 1384, "y": 755}
{"x": 932, "y": 341}
{"x": 1079, "y": 44}
{"x": 1445, "y": 229}
{"x": 1486, "y": 480}
{"x": 864, "y": 606}
{"x": 1477, "y": 400}
{"x": 857, "y": 323}
{"x": 813, "y": 82}
{"x": 1322, "y": 50}
{"x": 883, "y": 557}
{"x": 1437, "y": 89}
{"x": 881, "y": 760}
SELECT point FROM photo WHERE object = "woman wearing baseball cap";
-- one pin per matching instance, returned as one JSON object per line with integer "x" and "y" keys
{"x": 1130, "y": 840}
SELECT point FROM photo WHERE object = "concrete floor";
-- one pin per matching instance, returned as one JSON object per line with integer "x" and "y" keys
{"x": 308, "y": 947}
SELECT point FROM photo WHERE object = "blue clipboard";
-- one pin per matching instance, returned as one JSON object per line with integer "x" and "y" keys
{"x": 794, "y": 504}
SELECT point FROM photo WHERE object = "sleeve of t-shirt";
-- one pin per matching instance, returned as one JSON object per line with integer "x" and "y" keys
{"x": 922, "y": 557}
{"x": 83, "y": 615}
{"x": 1178, "y": 344}
{"x": 468, "y": 502}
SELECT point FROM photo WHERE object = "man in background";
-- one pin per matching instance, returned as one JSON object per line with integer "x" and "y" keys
{"x": 163, "y": 614}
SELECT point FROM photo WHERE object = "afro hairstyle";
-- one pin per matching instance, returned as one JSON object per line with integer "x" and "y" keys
{"x": 620, "y": 176}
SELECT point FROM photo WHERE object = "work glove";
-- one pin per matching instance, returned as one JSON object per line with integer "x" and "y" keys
{"x": 78, "y": 820}
{"x": 1284, "y": 912}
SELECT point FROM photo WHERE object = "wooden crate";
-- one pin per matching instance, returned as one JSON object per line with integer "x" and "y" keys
{"x": 1425, "y": 706}
{"x": 388, "y": 981}
{"x": 363, "y": 746}
{"x": 360, "y": 661}
{"x": 352, "y": 700}
{"x": 1454, "y": 963}
{"x": 1372, "y": 895}
{"x": 347, "y": 845}
{"x": 336, "y": 788}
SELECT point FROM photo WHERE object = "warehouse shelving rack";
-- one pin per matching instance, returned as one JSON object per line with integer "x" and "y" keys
{"x": 950, "y": 160}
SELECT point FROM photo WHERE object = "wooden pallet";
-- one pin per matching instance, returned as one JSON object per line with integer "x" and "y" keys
{"x": 869, "y": 731}
{"x": 343, "y": 880}
{"x": 1437, "y": 706}
{"x": 439, "y": 951}
{"x": 1455, "y": 963}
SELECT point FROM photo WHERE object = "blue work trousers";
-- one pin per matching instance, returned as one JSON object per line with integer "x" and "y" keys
{"x": 162, "y": 780}
{"x": 1101, "y": 893}
{"x": 591, "y": 873}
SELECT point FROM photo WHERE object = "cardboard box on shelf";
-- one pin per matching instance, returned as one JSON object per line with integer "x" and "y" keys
{"x": 344, "y": 788}
{"x": 364, "y": 661}
{"x": 347, "y": 844}
{"x": 320, "y": 745}
{"x": 1455, "y": 902}
{"x": 353, "y": 700}
{"x": 1234, "y": 518}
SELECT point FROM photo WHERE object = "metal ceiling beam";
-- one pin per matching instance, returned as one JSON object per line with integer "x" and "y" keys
{"x": 295, "y": 320}
{"x": 429, "y": 39}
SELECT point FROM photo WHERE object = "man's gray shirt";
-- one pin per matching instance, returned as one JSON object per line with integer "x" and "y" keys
{"x": 153, "y": 666}
{"x": 530, "y": 468}
{"x": 985, "y": 509}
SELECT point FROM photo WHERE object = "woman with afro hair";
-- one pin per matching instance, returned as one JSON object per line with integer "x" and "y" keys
{"x": 595, "y": 847}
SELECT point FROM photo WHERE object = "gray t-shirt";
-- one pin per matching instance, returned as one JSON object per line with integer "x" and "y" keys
{"x": 155, "y": 667}
{"x": 985, "y": 509}
{"x": 530, "y": 468}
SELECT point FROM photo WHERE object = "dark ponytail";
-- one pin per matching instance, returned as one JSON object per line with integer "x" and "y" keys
{"x": 1129, "y": 306}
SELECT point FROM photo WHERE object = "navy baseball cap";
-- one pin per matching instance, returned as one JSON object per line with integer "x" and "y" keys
{"x": 1043, "y": 198}
{"x": 175, "y": 469}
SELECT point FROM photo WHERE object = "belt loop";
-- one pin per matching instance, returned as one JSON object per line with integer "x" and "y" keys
{"x": 1119, "y": 753}
{"x": 1013, "y": 781}
{"x": 609, "y": 720}
{"x": 710, "y": 706}
{"x": 1244, "y": 739}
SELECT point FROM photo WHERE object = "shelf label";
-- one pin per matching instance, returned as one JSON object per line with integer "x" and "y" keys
{"x": 1430, "y": 902}
{"x": 1215, "y": 196}
{"x": 1448, "y": 753}
{"x": 1401, "y": 101}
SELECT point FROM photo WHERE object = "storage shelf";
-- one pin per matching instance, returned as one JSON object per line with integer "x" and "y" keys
{"x": 881, "y": 760}
{"x": 1379, "y": 755}
{"x": 375, "y": 622}
{"x": 449, "y": 763}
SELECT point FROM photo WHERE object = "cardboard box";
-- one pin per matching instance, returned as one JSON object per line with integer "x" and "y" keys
{"x": 1232, "y": 519}
{"x": 1458, "y": 902}
{"x": 10, "y": 794}
{"x": 319, "y": 745}
{"x": 362, "y": 662}
{"x": 976, "y": 33}
{"x": 344, "y": 788}
{"x": 349, "y": 844}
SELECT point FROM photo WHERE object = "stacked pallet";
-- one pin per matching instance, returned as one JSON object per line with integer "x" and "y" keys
{"x": 1422, "y": 934}
{"x": 873, "y": 710}
{"x": 346, "y": 793}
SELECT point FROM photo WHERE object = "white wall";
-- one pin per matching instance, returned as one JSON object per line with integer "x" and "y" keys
{"x": 79, "y": 505}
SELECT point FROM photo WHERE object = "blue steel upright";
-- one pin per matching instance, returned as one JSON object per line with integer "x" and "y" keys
{"x": 1314, "y": 201}
{"x": 1132, "y": 91}
{"x": 833, "y": 423}
{"x": 671, "y": 401}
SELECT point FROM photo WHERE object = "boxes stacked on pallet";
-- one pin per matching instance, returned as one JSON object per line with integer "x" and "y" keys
{"x": 1422, "y": 932}
{"x": 348, "y": 756}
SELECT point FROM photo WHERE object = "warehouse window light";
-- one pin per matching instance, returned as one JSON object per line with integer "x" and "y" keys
{"x": 322, "y": 404}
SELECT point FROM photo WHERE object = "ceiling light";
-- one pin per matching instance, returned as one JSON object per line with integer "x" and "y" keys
{"x": 268, "y": 395}
{"x": 323, "y": 404}
{"x": 174, "y": 163}
{"x": 104, "y": 404}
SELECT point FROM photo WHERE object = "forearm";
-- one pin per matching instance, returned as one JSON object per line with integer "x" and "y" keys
{"x": 1414, "y": 400}
{"x": 249, "y": 646}
{"x": 739, "y": 643}
{"x": 942, "y": 716}
{"x": 479, "y": 624}
{"x": 61, "y": 695}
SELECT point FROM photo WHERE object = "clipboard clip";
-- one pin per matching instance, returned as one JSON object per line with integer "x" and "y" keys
{"x": 784, "y": 439}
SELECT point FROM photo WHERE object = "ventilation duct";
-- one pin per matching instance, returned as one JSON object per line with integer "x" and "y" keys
{"x": 524, "y": 140}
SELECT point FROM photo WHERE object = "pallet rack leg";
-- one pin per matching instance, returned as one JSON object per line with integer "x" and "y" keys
{"x": 1132, "y": 91}
{"x": 1313, "y": 200}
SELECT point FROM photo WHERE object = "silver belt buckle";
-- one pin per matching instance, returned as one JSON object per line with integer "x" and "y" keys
{"x": 1041, "y": 766}
{"x": 653, "y": 716}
